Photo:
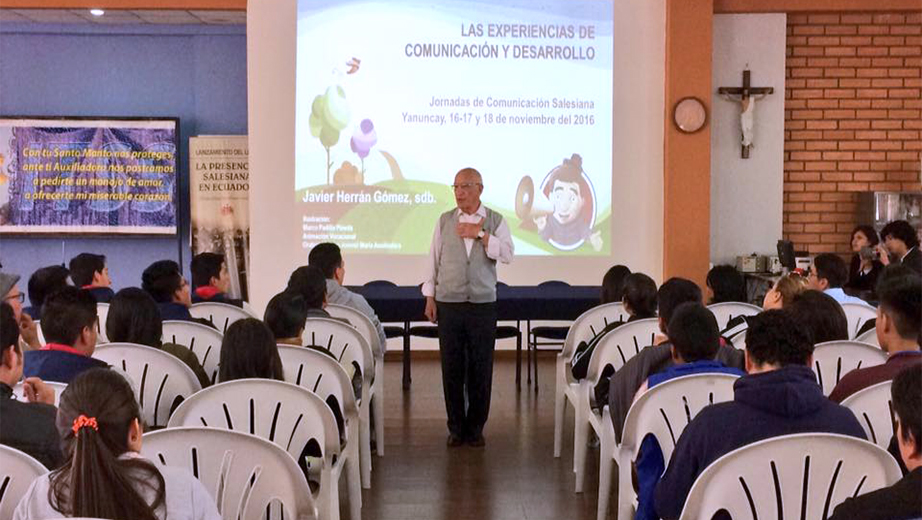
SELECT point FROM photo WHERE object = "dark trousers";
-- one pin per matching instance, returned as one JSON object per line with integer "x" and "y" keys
{"x": 467, "y": 337}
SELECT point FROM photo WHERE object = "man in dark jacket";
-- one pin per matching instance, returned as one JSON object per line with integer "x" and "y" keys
{"x": 211, "y": 280}
{"x": 164, "y": 281}
{"x": 778, "y": 396}
{"x": 88, "y": 271}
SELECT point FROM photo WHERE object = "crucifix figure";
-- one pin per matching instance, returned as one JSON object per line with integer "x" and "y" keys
{"x": 746, "y": 96}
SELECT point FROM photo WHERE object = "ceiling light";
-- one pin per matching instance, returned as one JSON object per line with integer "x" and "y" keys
{"x": 97, "y": 12}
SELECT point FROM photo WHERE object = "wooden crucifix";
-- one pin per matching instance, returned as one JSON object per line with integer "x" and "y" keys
{"x": 746, "y": 96}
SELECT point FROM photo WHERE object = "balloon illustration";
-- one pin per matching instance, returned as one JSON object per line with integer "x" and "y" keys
{"x": 363, "y": 140}
{"x": 329, "y": 115}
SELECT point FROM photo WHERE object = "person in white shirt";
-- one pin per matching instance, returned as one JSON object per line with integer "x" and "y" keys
{"x": 828, "y": 274}
{"x": 460, "y": 291}
{"x": 104, "y": 475}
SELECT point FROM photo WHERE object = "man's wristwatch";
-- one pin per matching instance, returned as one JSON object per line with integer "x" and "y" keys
{"x": 481, "y": 234}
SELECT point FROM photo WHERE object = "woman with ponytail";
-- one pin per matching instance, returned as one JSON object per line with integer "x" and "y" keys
{"x": 104, "y": 475}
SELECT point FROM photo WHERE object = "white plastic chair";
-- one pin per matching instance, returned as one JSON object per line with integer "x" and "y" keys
{"x": 221, "y": 314}
{"x": 857, "y": 314}
{"x": 584, "y": 328}
{"x": 663, "y": 411}
{"x": 726, "y": 311}
{"x": 834, "y": 359}
{"x": 202, "y": 340}
{"x": 376, "y": 393}
{"x": 615, "y": 349}
{"x": 804, "y": 475}
{"x": 285, "y": 414}
{"x": 244, "y": 473}
{"x": 159, "y": 378}
{"x": 350, "y": 349}
{"x": 873, "y": 407}
{"x": 102, "y": 311}
{"x": 869, "y": 337}
{"x": 739, "y": 340}
{"x": 20, "y": 393}
{"x": 39, "y": 333}
{"x": 17, "y": 471}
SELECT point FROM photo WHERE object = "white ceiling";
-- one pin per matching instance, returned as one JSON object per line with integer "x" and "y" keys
{"x": 124, "y": 16}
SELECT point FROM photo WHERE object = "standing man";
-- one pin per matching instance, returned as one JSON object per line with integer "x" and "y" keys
{"x": 460, "y": 292}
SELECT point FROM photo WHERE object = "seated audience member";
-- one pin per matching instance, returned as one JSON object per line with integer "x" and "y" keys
{"x": 104, "y": 474}
{"x": 828, "y": 274}
{"x": 164, "y": 281}
{"x": 613, "y": 284}
{"x": 285, "y": 316}
{"x": 864, "y": 267}
{"x": 28, "y": 426}
{"x": 310, "y": 283}
{"x": 12, "y": 296}
{"x": 135, "y": 318}
{"x": 328, "y": 258}
{"x": 778, "y": 396}
{"x": 211, "y": 280}
{"x": 902, "y": 500}
{"x": 625, "y": 382}
{"x": 70, "y": 332}
{"x": 89, "y": 271}
{"x": 43, "y": 282}
{"x": 726, "y": 284}
{"x": 821, "y": 315}
{"x": 249, "y": 351}
{"x": 781, "y": 295}
{"x": 901, "y": 241}
{"x": 639, "y": 300}
{"x": 695, "y": 339}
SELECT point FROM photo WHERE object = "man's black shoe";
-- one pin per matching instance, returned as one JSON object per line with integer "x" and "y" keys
{"x": 454, "y": 441}
{"x": 477, "y": 441}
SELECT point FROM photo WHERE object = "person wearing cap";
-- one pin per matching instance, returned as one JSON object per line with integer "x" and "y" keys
{"x": 28, "y": 330}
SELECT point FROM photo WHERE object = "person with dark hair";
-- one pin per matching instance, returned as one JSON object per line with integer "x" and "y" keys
{"x": 210, "y": 279}
{"x": 329, "y": 259}
{"x": 828, "y": 274}
{"x": 864, "y": 267}
{"x": 89, "y": 271}
{"x": 249, "y": 351}
{"x": 778, "y": 396}
{"x": 625, "y": 382}
{"x": 285, "y": 316}
{"x": 12, "y": 296}
{"x": 164, "y": 281}
{"x": 311, "y": 284}
{"x": 26, "y": 426}
{"x": 901, "y": 241}
{"x": 695, "y": 340}
{"x": 104, "y": 474}
{"x": 69, "y": 327}
{"x": 135, "y": 318}
{"x": 822, "y": 316}
{"x": 613, "y": 283}
{"x": 904, "y": 498}
{"x": 726, "y": 284}
{"x": 43, "y": 282}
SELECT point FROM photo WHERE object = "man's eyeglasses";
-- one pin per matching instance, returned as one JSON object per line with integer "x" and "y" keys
{"x": 21, "y": 297}
{"x": 465, "y": 186}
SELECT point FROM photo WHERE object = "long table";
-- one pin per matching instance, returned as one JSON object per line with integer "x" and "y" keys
{"x": 405, "y": 304}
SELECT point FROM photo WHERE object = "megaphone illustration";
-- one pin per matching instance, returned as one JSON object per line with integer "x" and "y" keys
{"x": 530, "y": 203}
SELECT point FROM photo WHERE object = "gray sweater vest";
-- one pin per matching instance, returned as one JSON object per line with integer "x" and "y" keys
{"x": 463, "y": 278}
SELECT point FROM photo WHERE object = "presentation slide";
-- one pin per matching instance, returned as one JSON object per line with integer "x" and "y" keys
{"x": 394, "y": 97}
{"x": 88, "y": 176}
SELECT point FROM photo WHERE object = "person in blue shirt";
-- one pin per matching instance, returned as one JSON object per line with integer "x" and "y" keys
{"x": 828, "y": 274}
{"x": 695, "y": 339}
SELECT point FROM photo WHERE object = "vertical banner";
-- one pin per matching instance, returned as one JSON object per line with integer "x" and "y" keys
{"x": 220, "y": 185}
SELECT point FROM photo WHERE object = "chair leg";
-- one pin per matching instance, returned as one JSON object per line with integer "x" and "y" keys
{"x": 625, "y": 488}
{"x": 560, "y": 411}
{"x": 365, "y": 445}
{"x": 535, "y": 359}
{"x": 606, "y": 462}
{"x": 354, "y": 481}
{"x": 406, "y": 356}
{"x": 331, "y": 500}
{"x": 377, "y": 404}
{"x": 518, "y": 356}
{"x": 528, "y": 353}
{"x": 580, "y": 440}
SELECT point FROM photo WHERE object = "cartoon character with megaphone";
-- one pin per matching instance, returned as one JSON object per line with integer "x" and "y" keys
{"x": 563, "y": 211}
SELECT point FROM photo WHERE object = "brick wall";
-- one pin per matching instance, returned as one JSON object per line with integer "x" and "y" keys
{"x": 852, "y": 119}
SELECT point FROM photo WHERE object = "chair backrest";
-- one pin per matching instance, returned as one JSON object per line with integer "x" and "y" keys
{"x": 590, "y": 323}
{"x": 286, "y": 414}
{"x": 873, "y": 406}
{"x": 160, "y": 379}
{"x": 39, "y": 333}
{"x": 794, "y": 476}
{"x": 667, "y": 408}
{"x": 221, "y": 314}
{"x": 834, "y": 359}
{"x": 244, "y": 473}
{"x": 320, "y": 374}
{"x": 620, "y": 345}
{"x": 857, "y": 314}
{"x": 361, "y": 322}
{"x": 20, "y": 392}
{"x": 202, "y": 340}
{"x": 726, "y": 311}
{"x": 739, "y": 340}
{"x": 17, "y": 471}
{"x": 102, "y": 311}
{"x": 345, "y": 342}
{"x": 869, "y": 337}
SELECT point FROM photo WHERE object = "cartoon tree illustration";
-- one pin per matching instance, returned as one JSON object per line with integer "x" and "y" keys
{"x": 363, "y": 140}
{"x": 329, "y": 115}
